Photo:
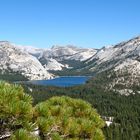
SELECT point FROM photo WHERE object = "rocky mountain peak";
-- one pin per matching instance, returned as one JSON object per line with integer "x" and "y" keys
{"x": 12, "y": 59}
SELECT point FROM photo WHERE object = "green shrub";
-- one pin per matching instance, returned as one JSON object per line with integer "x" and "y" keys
{"x": 68, "y": 118}
{"x": 23, "y": 134}
{"x": 16, "y": 109}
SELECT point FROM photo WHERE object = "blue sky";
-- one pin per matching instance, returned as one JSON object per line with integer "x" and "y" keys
{"x": 84, "y": 23}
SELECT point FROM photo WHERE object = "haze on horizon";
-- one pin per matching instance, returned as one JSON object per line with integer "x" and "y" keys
{"x": 83, "y": 23}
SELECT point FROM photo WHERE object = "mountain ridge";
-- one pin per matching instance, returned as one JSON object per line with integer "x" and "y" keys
{"x": 120, "y": 59}
{"x": 12, "y": 59}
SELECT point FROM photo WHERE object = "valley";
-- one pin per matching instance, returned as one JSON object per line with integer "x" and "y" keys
{"x": 110, "y": 104}
{"x": 120, "y": 60}
{"x": 113, "y": 88}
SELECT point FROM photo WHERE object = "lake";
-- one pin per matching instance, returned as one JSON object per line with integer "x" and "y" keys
{"x": 65, "y": 81}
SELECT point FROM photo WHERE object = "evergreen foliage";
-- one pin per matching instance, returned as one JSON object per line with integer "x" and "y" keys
{"x": 11, "y": 76}
{"x": 23, "y": 134}
{"x": 68, "y": 118}
{"x": 15, "y": 109}
{"x": 57, "y": 118}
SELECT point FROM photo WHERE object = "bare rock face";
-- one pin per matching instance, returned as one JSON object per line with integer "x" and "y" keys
{"x": 60, "y": 55}
{"x": 118, "y": 56}
{"x": 124, "y": 60}
{"x": 13, "y": 59}
{"x": 70, "y": 52}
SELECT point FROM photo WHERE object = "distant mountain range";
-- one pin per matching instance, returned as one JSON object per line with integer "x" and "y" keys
{"x": 34, "y": 63}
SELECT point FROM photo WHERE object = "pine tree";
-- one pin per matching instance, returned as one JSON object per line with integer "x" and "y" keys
{"x": 16, "y": 109}
{"x": 67, "y": 118}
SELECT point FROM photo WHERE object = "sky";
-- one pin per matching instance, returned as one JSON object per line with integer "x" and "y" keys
{"x": 84, "y": 23}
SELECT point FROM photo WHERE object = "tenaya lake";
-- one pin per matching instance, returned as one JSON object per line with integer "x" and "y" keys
{"x": 64, "y": 81}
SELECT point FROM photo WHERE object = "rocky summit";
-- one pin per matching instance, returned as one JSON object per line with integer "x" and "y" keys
{"x": 12, "y": 59}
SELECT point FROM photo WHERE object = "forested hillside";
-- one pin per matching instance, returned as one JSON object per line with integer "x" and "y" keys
{"x": 123, "y": 111}
{"x": 12, "y": 77}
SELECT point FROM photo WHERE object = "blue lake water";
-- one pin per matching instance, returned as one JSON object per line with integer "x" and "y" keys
{"x": 65, "y": 81}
